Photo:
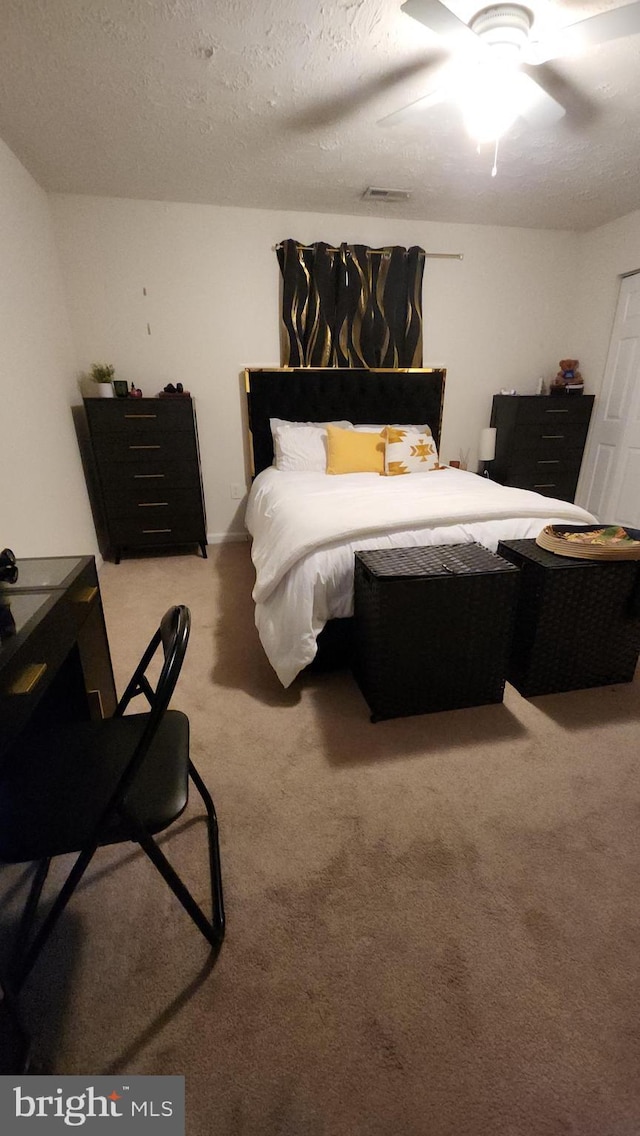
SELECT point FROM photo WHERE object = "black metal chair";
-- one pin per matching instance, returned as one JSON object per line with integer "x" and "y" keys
{"x": 124, "y": 778}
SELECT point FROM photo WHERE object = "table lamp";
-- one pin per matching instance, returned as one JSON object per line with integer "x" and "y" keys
{"x": 486, "y": 449}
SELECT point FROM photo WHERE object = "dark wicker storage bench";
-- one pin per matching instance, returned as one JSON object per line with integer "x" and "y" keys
{"x": 432, "y": 627}
{"x": 577, "y": 621}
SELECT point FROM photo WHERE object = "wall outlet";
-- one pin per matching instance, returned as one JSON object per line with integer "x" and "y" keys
{"x": 237, "y": 491}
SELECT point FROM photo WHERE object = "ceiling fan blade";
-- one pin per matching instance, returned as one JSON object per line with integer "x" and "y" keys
{"x": 439, "y": 19}
{"x": 413, "y": 110}
{"x": 541, "y": 108}
{"x": 335, "y": 108}
{"x": 580, "y": 110}
{"x": 601, "y": 28}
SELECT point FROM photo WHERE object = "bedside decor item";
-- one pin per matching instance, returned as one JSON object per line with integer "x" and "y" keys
{"x": 120, "y": 388}
{"x": 102, "y": 374}
{"x": 591, "y": 542}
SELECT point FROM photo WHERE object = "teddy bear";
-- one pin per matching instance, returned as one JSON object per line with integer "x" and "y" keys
{"x": 568, "y": 375}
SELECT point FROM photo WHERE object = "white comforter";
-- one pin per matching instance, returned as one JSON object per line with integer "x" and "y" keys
{"x": 307, "y": 526}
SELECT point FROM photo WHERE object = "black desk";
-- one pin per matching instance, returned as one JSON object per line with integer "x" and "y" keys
{"x": 55, "y": 664}
{"x": 55, "y": 667}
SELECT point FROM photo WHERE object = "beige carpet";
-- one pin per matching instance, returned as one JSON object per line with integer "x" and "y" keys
{"x": 433, "y": 923}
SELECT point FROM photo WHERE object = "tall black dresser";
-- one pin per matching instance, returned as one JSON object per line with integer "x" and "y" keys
{"x": 147, "y": 486}
{"x": 540, "y": 441}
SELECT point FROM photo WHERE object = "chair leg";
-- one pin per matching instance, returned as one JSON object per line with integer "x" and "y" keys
{"x": 211, "y": 932}
{"x": 36, "y": 945}
{"x": 20, "y": 1051}
{"x": 215, "y": 870}
{"x": 29, "y": 911}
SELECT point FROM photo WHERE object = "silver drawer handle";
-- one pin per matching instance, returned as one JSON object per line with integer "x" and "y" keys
{"x": 144, "y": 447}
{"x": 148, "y": 475}
{"x": 150, "y": 504}
{"x": 549, "y": 461}
{"x": 545, "y": 485}
{"x": 547, "y": 436}
{"x": 155, "y": 530}
{"x": 563, "y": 410}
{"x": 141, "y": 415}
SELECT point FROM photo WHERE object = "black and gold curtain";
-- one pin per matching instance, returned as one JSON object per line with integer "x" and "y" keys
{"x": 351, "y": 306}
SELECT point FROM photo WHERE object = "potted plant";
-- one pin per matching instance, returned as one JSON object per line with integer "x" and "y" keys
{"x": 102, "y": 374}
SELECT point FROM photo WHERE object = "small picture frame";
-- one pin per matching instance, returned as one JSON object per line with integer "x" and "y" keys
{"x": 120, "y": 388}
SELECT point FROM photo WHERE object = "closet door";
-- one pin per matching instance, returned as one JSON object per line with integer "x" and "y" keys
{"x": 611, "y": 480}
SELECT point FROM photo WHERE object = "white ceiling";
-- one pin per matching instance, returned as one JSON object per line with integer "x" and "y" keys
{"x": 244, "y": 102}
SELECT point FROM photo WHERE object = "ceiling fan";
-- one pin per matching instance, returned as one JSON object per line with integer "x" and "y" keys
{"x": 497, "y": 66}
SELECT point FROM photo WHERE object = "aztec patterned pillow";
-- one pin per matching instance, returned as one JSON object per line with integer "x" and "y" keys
{"x": 408, "y": 451}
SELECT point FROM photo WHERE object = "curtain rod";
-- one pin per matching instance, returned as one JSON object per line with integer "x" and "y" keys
{"x": 380, "y": 251}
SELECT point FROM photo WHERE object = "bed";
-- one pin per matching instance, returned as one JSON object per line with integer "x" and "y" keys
{"x": 306, "y": 525}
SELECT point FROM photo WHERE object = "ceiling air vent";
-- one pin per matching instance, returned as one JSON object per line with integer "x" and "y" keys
{"x": 374, "y": 194}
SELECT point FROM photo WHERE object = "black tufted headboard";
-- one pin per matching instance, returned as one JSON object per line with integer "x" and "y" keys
{"x": 309, "y": 394}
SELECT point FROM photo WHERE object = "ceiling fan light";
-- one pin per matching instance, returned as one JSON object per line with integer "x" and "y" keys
{"x": 490, "y": 102}
{"x": 487, "y": 123}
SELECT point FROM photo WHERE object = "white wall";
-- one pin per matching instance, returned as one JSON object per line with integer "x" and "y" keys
{"x": 44, "y": 509}
{"x": 604, "y": 255}
{"x": 497, "y": 318}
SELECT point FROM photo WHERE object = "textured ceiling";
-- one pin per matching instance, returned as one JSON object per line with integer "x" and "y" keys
{"x": 275, "y": 105}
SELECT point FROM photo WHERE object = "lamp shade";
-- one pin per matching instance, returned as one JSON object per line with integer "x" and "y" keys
{"x": 487, "y": 444}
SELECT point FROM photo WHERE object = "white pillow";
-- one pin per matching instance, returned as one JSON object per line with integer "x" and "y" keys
{"x": 395, "y": 426}
{"x": 276, "y": 422}
{"x": 300, "y": 448}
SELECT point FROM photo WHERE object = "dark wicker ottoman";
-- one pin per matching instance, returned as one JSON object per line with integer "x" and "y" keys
{"x": 577, "y": 621}
{"x": 432, "y": 627}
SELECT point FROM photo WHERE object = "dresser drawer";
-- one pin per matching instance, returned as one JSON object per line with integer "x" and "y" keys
{"x": 538, "y": 468}
{"x": 148, "y": 532}
{"x": 149, "y": 479}
{"x": 558, "y": 484}
{"x": 115, "y": 416}
{"x": 547, "y": 439}
{"x": 553, "y": 409}
{"x": 138, "y": 446}
{"x": 151, "y": 504}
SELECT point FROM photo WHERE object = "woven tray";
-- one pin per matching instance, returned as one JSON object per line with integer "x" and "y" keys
{"x": 591, "y": 542}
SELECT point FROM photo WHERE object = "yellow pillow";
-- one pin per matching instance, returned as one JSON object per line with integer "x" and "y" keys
{"x": 349, "y": 451}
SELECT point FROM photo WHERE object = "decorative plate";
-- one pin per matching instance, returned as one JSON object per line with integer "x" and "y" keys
{"x": 591, "y": 542}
